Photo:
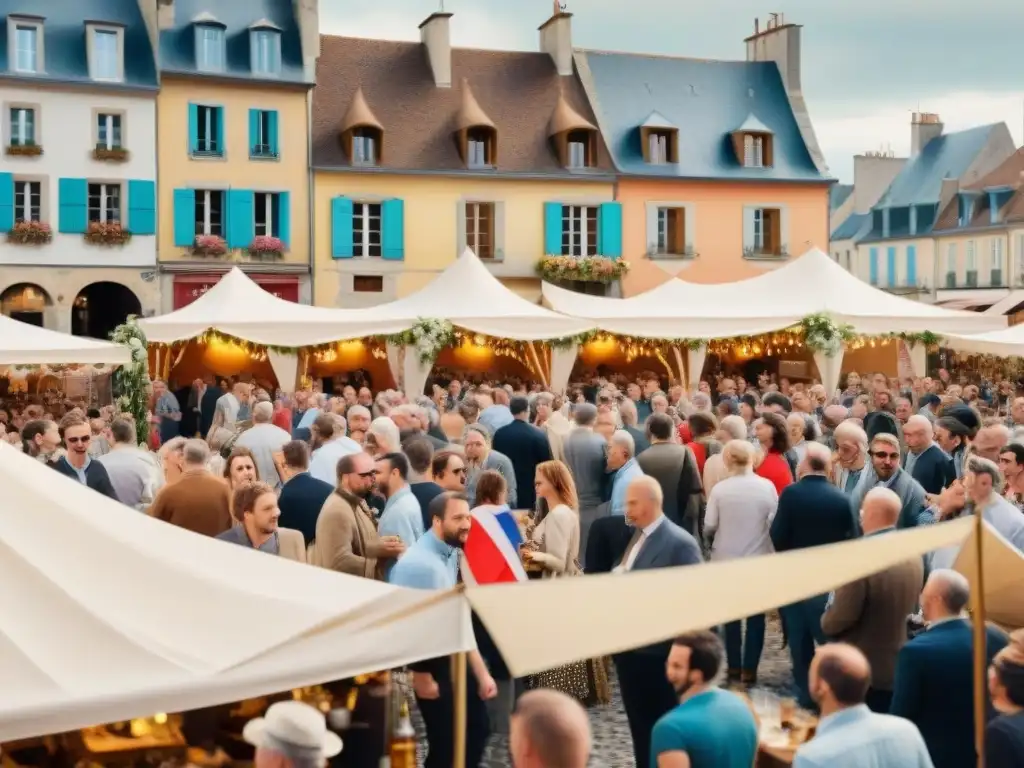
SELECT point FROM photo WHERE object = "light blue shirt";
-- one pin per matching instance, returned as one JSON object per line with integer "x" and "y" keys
{"x": 324, "y": 463}
{"x": 81, "y": 472}
{"x": 624, "y": 475}
{"x": 308, "y": 418}
{"x": 402, "y": 517}
{"x": 427, "y": 564}
{"x": 859, "y": 738}
{"x": 494, "y": 417}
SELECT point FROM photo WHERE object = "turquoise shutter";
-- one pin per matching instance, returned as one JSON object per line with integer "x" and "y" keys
{"x": 272, "y": 138}
{"x": 552, "y": 229}
{"x": 890, "y": 264}
{"x": 392, "y": 226}
{"x": 74, "y": 198}
{"x": 184, "y": 217}
{"x": 142, "y": 207}
{"x": 609, "y": 230}
{"x": 241, "y": 220}
{"x": 873, "y": 266}
{"x": 341, "y": 228}
{"x": 284, "y": 217}
{"x": 193, "y": 127}
{"x": 6, "y": 202}
{"x": 254, "y": 130}
{"x": 221, "y": 149}
{"x": 911, "y": 265}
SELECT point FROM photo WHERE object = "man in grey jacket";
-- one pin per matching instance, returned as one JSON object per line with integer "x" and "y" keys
{"x": 675, "y": 469}
{"x": 586, "y": 456}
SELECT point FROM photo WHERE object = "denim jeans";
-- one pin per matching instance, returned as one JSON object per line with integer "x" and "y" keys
{"x": 744, "y": 653}
{"x": 803, "y": 628}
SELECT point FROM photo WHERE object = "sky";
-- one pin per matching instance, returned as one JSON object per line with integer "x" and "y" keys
{"x": 866, "y": 65}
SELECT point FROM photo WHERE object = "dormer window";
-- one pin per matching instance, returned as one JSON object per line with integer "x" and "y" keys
{"x": 573, "y": 136}
{"x": 25, "y": 44}
{"x": 480, "y": 147}
{"x": 210, "y": 47}
{"x": 475, "y": 135}
{"x": 106, "y": 53}
{"x": 265, "y": 45}
{"x": 364, "y": 146}
{"x": 753, "y": 143}
{"x": 362, "y": 135}
{"x": 580, "y": 149}
{"x": 659, "y": 140}
{"x": 753, "y": 151}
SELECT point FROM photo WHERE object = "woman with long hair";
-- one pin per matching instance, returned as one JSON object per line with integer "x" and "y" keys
{"x": 773, "y": 438}
{"x": 240, "y": 468}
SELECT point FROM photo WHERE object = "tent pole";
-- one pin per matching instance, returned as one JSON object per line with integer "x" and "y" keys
{"x": 980, "y": 645}
{"x": 459, "y": 705}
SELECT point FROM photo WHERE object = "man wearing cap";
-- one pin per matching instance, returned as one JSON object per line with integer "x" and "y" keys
{"x": 291, "y": 735}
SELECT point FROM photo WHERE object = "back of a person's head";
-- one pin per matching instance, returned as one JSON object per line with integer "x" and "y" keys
{"x": 123, "y": 432}
{"x": 519, "y": 405}
{"x": 296, "y": 455}
{"x": 196, "y": 452}
{"x": 660, "y": 426}
{"x": 553, "y": 728}
{"x": 419, "y": 451}
{"x": 325, "y": 425}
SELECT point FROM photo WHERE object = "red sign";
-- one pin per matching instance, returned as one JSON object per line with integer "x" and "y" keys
{"x": 188, "y": 288}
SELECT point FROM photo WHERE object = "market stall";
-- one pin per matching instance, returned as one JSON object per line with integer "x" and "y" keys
{"x": 24, "y": 344}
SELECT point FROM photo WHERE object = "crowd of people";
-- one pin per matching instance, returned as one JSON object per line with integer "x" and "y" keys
{"x": 619, "y": 475}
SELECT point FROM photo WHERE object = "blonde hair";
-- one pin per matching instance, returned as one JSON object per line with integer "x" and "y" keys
{"x": 738, "y": 456}
{"x": 558, "y": 477}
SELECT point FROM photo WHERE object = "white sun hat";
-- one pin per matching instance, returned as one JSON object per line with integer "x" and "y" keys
{"x": 291, "y": 726}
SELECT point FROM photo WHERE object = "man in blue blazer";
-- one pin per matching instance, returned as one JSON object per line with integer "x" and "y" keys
{"x": 934, "y": 686}
{"x": 657, "y": 542}
{"x": 924, "y": 460}
{"x": 302, "y": 495}
{"x": 526, "y": 446}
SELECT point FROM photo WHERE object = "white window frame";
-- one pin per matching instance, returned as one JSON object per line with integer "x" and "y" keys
{"x": 361, "y": 139}
{"x": 951, "y": 259}
{"x": 363, "y": 211}
{"x": 24, "y": 191}
{"x": 997, "y": 253}
{"x": 576, "y": 220}
{"x": 657, "y": 148}
{"x": 753, "y": 151}
{"x": 476, "y": 152}
{"x": 471, "y": 222}
{"x": 265, "y": 47}
{"x": 106, "y": 187}
{"x": 971, "y": 257}
{"x": 576, "y": 154}
{"x": 205, "y": 120}
{"x": 211, "y": 39}
{"x": 26, "y": 118}
{"x": 35, "y": 28}
{"x": 264, "y": 200}
{"x": 757, "y": 230}
{"x": 205, "y": 198}
{"x": 95, "y": 32}
{"x": 106, "y": 122}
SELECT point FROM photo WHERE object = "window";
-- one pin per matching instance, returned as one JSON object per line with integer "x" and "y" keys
{"x": 264, "y": 140}
{"x": 108, "y": 131}
{"x": 368, "y": 283}
{"x": 28, "y": 200}
{"x": 106, "y": 58}
{"x": 480, "y": 229}
{"x": 267, "y": 214}
{"x": 105, "y": 202}
{"x": 579, "y": 154}
{"x": 671, "y": 231}
{"x": 658, "y": 147}
{"x": 996, "y": 276}
{"x": 479, "y": 148}
{"x": 208, "y": 131}
{"x": 766, "y": 232}
{"x": 971, "y": 257}
{"x": 209, "y": 48}
{"x": 951, "y": 265}
{"x": 23, "y": 127}
{"x": 753, "y": 151}
{"x": 210, "y": 212}
{"x": 266, "y": 52}
{"x": 364, "y": 146}
{"x": 26, "y": 47}
{"x": 366, "y": 229}
{"x": 579, "y": 230}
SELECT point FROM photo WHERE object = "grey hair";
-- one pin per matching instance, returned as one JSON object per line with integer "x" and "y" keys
{"x": 652, "y": 487}
{"x": 982, "y": 466}
{"x": 480, "y": 429}
{"x": 627, "y": 412}
{"x": 384, "y": 427}
{"x": 262, "y": 412}
{"x": 848, "y": 430}
{"x": 359, "y": 410}
{"x": 700, "y": 401}
{"x": 174, "y": 445}
{"x": 196, "y": 452}
{"x": 622, "y": 438}
{"x": 735, "y": 426}
{"x": 954, "y": 589}
{"x": 586, "y": 414}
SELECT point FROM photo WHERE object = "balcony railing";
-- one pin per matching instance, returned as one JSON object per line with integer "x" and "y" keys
{"x": 207, "y": 148}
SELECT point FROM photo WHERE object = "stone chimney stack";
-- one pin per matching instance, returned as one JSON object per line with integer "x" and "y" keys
{"x": 924, "y": 126}
{"x": 307, "y": 12}
{"x": 164, "y": 13}
{"x": 556, "y": 39}
{"x": 435, "y": 34}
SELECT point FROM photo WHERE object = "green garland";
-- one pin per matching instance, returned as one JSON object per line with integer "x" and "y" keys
{"x": 428, "y": 336}
{"x": 825, "y": 335}
{"x": 131, "y": 380}
{"x": 925, "y": 338}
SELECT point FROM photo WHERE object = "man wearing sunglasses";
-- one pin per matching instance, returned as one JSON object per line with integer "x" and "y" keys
{"x": 886, "y": 472}
{"x": 76, "y": 463}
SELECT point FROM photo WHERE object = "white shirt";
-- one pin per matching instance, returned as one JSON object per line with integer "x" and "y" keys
{"x": 324, "y": 463}
{"x": 644, "y": 535}
{"x": 740, "y": 513}
{"x": 228, "y": 405}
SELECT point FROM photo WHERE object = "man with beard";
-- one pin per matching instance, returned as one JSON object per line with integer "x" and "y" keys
{"x": 433, "y": 563}
{"x": 711, "y": 727}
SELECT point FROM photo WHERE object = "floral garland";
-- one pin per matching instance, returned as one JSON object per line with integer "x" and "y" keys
{"x": 590, "y": 269}
{"x": 131, "y": 380}
{"x": 925, "y": 338}
{"x": 429, "y": 336}
{"x": 825, "y": 335}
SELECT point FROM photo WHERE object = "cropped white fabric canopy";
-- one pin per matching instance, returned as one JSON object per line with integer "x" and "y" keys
{"x": 1007, "y": 342}
{"x": 772, "y": 301}
{"x": 239, "y": 307}
{"x": 106, "y": 614}
{"x": 24, "y": 344}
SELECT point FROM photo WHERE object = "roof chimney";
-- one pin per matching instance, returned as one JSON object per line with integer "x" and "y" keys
{"x": 164, "y": 13}
{"x": 924, "y": 126}
{"x": 556, "y": 39}
{"x": 436, "y": 36}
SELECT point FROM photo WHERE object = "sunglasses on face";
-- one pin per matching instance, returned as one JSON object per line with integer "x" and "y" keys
{"x": 76, "y": 440}
{"x": 886, "y": 455}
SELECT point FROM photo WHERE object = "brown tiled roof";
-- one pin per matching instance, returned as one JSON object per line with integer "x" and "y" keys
{"x": 470, "y": 114}
{"x": 359, "y": 114}
{"x": 1005, "y": 175}
{"x": 565, "y": 119}
{"x": 1008, "y": 174}
{"x": 517, "y": 91}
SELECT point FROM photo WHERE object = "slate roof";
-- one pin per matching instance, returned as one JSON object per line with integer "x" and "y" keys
{"x": 855, "y": 226}
{"x": 517, "y": 91}
{"x": 178, "y": 44}
{"x": 66, "y": 59}
{"x": 1007, "y": 175}
{"x": 706, "y": 100}
{"x": 838, "y": 194}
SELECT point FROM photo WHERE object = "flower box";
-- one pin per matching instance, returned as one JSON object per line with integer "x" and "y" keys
{"x": 28, "y": 149}
{"x": 110, "y": 154}
{"x": 267, "y": 248}
{"x": 209, "y": 245}
{"x": 30, "y": 233}
{"x": 107, "y": 233}
{"x": 588, "y": 269}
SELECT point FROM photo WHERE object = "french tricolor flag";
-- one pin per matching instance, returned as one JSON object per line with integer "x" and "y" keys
{"x": 492, "y": 549}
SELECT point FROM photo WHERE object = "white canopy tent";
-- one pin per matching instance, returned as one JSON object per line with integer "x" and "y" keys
{"x": 24, "y": 344}
{"x": 107, "y": 614}
{"x": 777, "y": 299}
{"x": 1007, "y": 342}
{"x": 470, "y": 297}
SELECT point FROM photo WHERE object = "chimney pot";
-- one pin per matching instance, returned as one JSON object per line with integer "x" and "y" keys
{"x": 435, "y": 34}
{"x": 556, "y": 40}
{"x": 924, "y": 126}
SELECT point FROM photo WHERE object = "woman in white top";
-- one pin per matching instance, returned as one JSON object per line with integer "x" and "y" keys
{"x": 739, "y": 516}
{"x": 556, "y": 535}
{"x": 729, "y": 428}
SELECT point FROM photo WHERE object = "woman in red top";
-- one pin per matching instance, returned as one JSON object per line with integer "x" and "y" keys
{"x": 773, "y": 437}
{"x": 703, "y": 444}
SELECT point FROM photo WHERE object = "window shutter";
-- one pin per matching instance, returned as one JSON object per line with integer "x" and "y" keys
{"x": 6, "y": 202}
{"x": 392, "y": 224}
{"x": 873, "y": 266}
{"x": 911, "y": 265}
{"x": 461, "y": 241}
{"x": 74, "y": 213}
{"x": 890, "y": 263}
{"x": 184, "y": 217}
{"x": 609, "y": 229}
{"x": 240, "y": 222}
{"x": 650, "y": 228}
{"x": 254, "y": 130}
{"x": 142, "y": 207}
{"x": 273, "y": 137}
{"x": 552, "y": 229}
{"x": 748, "y": 228}
{"x": 284, "y": 214}
{"x": 341, "y": 228}
{"x": 220, "y": 132}
{"x": 775, "y": 221}
{"x": 193, "y": 127}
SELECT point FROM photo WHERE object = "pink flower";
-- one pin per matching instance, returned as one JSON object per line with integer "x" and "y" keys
{"x": 267, "y": 244}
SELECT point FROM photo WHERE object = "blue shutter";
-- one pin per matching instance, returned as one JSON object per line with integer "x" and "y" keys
{"x": 911, "y": 265}
{"x": 890, "y": 263}
{"x": 609, "y": 230}
{"x": 142, "y": 207}
{"x": 272, "y": 138}
{"x": 184, "y": 217}
{"x": 221, "y": 149}
{"x": 873, "y": 266}
{"x": 74, "y": 198}
{"x": 341, "y": 228}
{"x": 552, "y": 229}
{"x": 254, "y": 130}
{"x": 392, "y": 229}
{"x": 6, "y": 202}
{"x": 241, "y": 222}
{"x": 284, "y": 217}
{"x": 193, "y": 128}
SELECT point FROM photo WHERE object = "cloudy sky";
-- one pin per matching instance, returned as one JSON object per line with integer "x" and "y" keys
{"x": 866, "y": 65}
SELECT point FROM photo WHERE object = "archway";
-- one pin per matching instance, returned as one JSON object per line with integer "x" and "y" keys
{"x": 26, "y": 302}
{"x": 100, "y": 307}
